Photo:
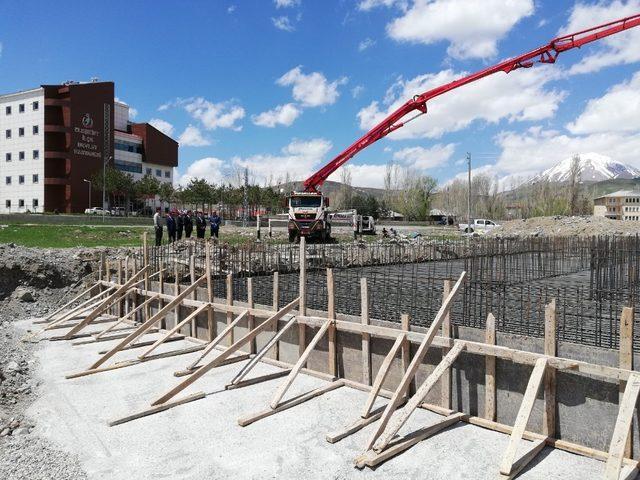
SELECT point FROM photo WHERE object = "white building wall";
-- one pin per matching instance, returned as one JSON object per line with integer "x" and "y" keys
{"x": 30, "y": 191}
{"x": 120, "y": 116}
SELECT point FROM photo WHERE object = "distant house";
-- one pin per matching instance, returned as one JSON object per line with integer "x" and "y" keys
{"x": 620, "y": 205}
{"x": 391, "y": 215}
{"x": 439, "y": 216}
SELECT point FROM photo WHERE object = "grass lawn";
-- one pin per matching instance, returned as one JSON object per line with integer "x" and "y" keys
{"x": 65, "y": 236}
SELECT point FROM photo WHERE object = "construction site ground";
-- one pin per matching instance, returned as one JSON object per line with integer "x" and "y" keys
{"x": 201, "y": 439}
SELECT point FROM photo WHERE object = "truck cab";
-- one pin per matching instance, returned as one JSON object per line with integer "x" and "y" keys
{"x": 308, "y": 216}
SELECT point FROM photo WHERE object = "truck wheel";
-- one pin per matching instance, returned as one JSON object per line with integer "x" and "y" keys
{"x": 468, "y": 230}
{"x": 292, "y": 237}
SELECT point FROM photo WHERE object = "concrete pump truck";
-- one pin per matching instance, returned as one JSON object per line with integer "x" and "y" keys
{"x": 308, "y": 209}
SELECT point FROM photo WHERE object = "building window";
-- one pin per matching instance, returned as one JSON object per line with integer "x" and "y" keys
{"x": 7, "y": 157}
{"x": 126, "y": 146}
{"x": 7, "y": 110}
{"x": 21, "y": 179}
{"x": 125, "y": 166}
{"x": 158, "y": 173}
{"x": 35, "y": 202}
{"x": 21, "y": 203}
{"x": 8, "y": 180}
{"x": 36, "y": 154}
{"x": 35, "y": 105}
{"x": 36, "y": 130}
{"x": 149, "y": 171}
{"x": 7, "y": 134}
{"x": 7, "y": 203}
{"x": 21, "y": 108}
{"x": 167, "y": 174}
{"x": 20, "y": 155}
{"x": 35, "y": 178}
{"x": 21, "y": 132}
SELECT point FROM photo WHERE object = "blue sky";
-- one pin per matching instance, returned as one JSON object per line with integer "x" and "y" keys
{"x": 282, "y": 86}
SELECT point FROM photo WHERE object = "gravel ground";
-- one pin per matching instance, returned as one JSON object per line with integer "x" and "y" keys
{"x": 565, "y": 226}
{"x": 32, "y": 283}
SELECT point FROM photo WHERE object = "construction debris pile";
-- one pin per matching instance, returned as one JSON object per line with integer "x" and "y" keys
{"x": 586, "y": 226}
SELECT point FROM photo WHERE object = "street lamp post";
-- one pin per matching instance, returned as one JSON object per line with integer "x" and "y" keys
{"x": 89, "y": 182}
{"x": 104, "y": 180}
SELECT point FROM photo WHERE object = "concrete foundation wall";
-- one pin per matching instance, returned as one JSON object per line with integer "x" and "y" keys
{"x": 586, "y": 407}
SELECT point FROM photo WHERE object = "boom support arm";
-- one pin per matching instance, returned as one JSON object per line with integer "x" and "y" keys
{"x": 545, "y": 54}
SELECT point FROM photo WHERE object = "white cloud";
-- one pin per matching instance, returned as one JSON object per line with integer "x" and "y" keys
{"x": 162, "y": 125}
{"x": 357, "y": 91}
{"x": 192, "y": 137}
{"x": 281, "y": 115}
{"x": 165, "y": 106}
{"x": 313, "y": 89}
{"x": 425, "y": 158}
{"x": 520, "y": 96}
{"x": 214, "y": 115}
{"x": 363, "y": 175}
{"x": 472, "y": 28}
{"x": 366, "y": 43}
{"x": 209, "y": 168}
{"x": 286, "y": 3}
{"x": 231, "y": 9}
{"x": 283, "y": 23}
{"x": 619, "y": 49}
{"x": 133, "y": 112}
{"x": 618, "y": 110}
{"x": 366, "y": 5}
{"x": 298, "y": 159}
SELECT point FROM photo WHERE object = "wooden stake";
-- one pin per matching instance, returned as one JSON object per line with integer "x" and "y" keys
{"x": 211, "y": 324}
{"x": 194, "y": 294}
{"x": 549, "y": 412}
{"x": 302, "y": 330}
{"x": 230, "y": 302}
{"x": 490, "y": 371}
{"x": 331, "y": 315}
{"x": 621, "y": 430}
{"x": 445, "y": 383}
{"x": 251, "y": 323}
{"x": 405, "y": 324}
{"x": 276, "y": 303}
{"x": 626, "y": 361}
{"x": 366, "y": 338}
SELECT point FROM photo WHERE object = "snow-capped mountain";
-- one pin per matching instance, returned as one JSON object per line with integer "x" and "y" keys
{"x": 594, "y": 168}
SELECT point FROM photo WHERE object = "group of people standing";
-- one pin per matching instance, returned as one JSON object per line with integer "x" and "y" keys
{"x": 179, "y": 221}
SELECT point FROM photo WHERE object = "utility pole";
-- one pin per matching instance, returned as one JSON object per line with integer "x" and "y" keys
{"x": 469, "y": 192}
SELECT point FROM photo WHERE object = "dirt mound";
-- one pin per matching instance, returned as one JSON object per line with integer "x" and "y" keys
{"x": 565, "y": 226}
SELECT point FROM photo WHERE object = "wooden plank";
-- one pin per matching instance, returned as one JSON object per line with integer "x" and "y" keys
{"x": 136, "y": 361}
{"x": 372, "y": 458}
{"x": 228, "y": 352}
{"x": 147, "y": 325}
{"x": 156, "y": 409}
{"x": 382, "y": 375}
{"x": 524, "y": 413}
{"x": 105, "y": 304}
{"x": 626, "y": 361}
{"x": 251, "y": 322}
{"x": 366, "y": 338}
{"x": 415, "y": 363}
{"x": 126, "y": 317}
{"x": 211, "y": 324}
{"x": 168, "y": 335}
{"x": 445, "y": 382}
{"x": 282, "y": 389}
{"x": 249, "y": 419}
{"x": 254, "y": 361}
{"x": 276, "y": 303}
{"x": 302, "y": 293}
{"x": 549, "y": 412}
{"x": 405, "y": 324}
{"x": 230, "y": 302}
{"x": 356, "y": 426}
{"x": 621, "y": 430}
{"x": 217, "y": 340}
{"x": 254, "y": 380}
{"x": 403, "y": 415}
{"x": 91, "y": 302}
{"x": 194, "y": 296}
{"x": 51, "y": 316}
{"x": 490, "y": 371}
{"x": 146, "y": 343}
{"x": 331, "y": 314}
{"x": 525, "y": 459}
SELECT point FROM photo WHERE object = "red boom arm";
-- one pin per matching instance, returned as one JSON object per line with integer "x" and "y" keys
{"x": 545, "y": 54}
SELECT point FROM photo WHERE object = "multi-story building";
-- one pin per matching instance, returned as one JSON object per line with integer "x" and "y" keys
{"x": 55, "y": 138}
{"x": 620, "y": 205}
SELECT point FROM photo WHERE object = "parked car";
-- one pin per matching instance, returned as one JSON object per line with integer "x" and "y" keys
{"x": 479, "y": 225}
{"x": 118, "y": 211}
{"x": 96, "y": 211}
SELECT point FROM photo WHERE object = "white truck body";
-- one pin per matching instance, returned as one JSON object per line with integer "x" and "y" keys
{"x": 479, "y": 225}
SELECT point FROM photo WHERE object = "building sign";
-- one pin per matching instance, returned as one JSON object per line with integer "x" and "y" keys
{"x": 87, "y": 140}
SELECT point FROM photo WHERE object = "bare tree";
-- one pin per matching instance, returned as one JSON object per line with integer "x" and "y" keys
{"x": 575, "y": 174}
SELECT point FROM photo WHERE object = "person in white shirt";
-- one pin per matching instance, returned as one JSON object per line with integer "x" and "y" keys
{"x": 157, "y": 225}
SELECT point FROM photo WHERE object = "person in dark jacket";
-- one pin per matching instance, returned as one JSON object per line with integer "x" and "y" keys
{"x": 171, "y": 226}
{"x": 201, "y": 225}
{"x": 214, "y": 223}
{"x": 179, "y": 224}
{"x": 188, "y": 224}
